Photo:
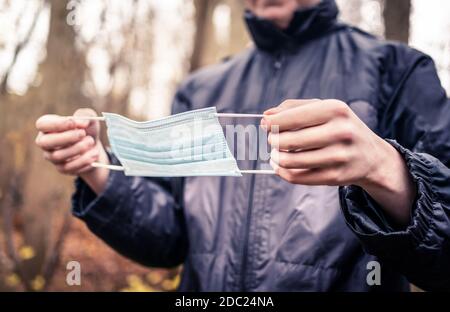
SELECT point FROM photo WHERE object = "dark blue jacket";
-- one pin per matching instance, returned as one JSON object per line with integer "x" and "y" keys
{"x": 260, "y": 233}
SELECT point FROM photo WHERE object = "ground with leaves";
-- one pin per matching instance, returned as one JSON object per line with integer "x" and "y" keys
{"x": 102, "y": 269}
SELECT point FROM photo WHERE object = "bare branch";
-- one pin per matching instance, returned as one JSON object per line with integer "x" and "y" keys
{"x": 19, "y": 48}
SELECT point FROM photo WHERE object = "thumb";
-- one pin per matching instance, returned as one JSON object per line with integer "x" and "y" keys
{"x": 92, "y": 127}
{"x": 288, "y": 104}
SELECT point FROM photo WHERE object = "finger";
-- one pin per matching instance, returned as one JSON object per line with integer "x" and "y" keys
{"x": 84, "y": 112}
{"x": 307, "y": 115}
{"x": 52, "y": 141}
{"x": 316, "y": 176}
{"x": 85, "y": 169}
{"x": 310, "y": 138}
{"x": 319, "y": 158}
{"x": 55, "y": 123}
{"x": 92, "y": 126}
{"x": 287, "y": 104}
{"x": 38, "y": 138}
{"x": 66, "y": 154}
{"x": 75, "y": 166}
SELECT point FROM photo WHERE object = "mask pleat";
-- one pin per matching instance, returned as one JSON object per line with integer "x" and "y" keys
{"x": 187, "y": 144}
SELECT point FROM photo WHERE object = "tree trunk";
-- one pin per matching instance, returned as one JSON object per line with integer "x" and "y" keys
{"x": 206, "y": 49}
{"x": 201, "y": 22}
{"x": 397, "y": 19}
{"x": 40, "y": 193}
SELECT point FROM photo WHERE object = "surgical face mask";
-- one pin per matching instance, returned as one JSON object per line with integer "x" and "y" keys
{"x": 187, "y": 144}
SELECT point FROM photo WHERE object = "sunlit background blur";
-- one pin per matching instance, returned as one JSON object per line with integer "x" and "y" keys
{"x": 124, "y": 56}
{"x": 156, "y": 39}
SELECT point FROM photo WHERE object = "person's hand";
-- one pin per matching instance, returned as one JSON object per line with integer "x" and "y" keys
{"x": 322, "y": 142}
{"x": 72, "y": 145}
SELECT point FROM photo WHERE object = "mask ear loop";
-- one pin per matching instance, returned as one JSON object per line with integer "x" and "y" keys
{"x": 120, "y": 168}
{"x": 110, "y": 167}
{"x": 233, "y": 115}
{"x": 224, "y": 115}
{"x": 220, "y": 115}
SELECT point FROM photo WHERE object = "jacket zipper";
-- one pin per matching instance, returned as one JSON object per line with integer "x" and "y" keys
{"x": 269, "y": 93}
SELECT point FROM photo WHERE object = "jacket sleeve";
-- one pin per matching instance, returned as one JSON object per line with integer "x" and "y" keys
{"x": 417, "y": 118}
{"x": 142, "y": 218}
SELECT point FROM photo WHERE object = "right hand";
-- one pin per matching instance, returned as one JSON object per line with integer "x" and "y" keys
{"x": 73, "y": 145}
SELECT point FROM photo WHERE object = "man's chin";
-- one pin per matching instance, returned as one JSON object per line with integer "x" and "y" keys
{"x": 280, "y": 17}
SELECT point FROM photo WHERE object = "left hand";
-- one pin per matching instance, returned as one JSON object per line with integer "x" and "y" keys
{"x": 322, "y": 142}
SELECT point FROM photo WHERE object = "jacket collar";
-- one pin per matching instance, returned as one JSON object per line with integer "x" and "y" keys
{"x": 307, "y": 24}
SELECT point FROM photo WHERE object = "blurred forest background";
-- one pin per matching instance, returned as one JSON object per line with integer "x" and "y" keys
{"x": 124, "y": 56}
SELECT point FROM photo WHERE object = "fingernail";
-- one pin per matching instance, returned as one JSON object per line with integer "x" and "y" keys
{"x": 83, "y": 124}
{"x": 274, "y": 165}
{"x": 271, "y": 111}
{"x": 272, "y": 153}
{"x": 71, "y": 123}
{"x": 263, "y": 124}
{"x": 274, "y": 156}
{"x": 81, "y": 133}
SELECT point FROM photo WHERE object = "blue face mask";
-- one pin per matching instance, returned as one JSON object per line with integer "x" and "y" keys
{"x": 187, "y": 144}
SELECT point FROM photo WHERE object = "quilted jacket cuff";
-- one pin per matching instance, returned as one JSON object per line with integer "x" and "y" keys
{"x": 98, "y": 211}
{"x": 377, "y": 232}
